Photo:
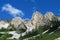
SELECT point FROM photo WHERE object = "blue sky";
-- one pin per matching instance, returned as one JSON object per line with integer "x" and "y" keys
{"x": 25, "y": 8}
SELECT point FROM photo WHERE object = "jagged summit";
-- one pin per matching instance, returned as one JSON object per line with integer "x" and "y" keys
{"x": 16, "y": 21}
{"x": 36, "y": 14}
{"x": 49, "y": 15}
{"x": 37, "y": 20}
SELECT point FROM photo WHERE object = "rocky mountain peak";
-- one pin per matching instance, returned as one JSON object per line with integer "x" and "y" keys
{"x": 49, "y": 15}
{"x": 37, "y": 18}
{"x": 16, "y": 21}
{"x": 3, "y": 24}
{"x": 37, "y": 14}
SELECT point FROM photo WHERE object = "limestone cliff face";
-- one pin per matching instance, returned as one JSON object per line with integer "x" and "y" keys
{"x": 28, "y": 24}
{"x": 58, "y": 17}
{"x": 3, "y": 24}
{"x": 40, "y": 20}
{"x": 49, "y": 16}
{"x": 37, "y": 19}
{"x": 16, "y": 21}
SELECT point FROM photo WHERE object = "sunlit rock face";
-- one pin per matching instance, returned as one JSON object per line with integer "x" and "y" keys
{"x": 28, "y": 24}
{"x": 16, "y": 21}
{"x": 49, "y": 15}
{"x": 37, "y": 19}
{"x": 58, "y": 17}
{"x": 3, "y": 24}
{"x": 21, "y": 28}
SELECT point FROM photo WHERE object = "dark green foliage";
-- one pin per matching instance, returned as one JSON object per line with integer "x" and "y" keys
{"x": 55, "y": 25}
{"x": 21, "y": 30}
{"x": 46, "y": 27}
{"x": 2, "y": 30}
{"x": 39, "y": 30}
{"x": 30, "y": 34}
{"x": 1, "y": 35}
{"x": 12, "y": 39}
{"x": 20, "y": 38}
{"x": 35, "y": 32}
{"x": 11, "y": 27}
{"x": 4, "y": 36}
{"x": 46, "y": 36}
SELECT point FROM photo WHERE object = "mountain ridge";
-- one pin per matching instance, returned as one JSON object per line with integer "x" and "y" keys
{"x": 37, "y": 19}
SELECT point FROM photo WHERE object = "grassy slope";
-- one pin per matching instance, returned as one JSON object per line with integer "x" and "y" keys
{"x": 46, "y": 36}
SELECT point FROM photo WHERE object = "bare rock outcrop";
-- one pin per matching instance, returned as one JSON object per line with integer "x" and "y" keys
{"x": 37, "y": 19}
{"x": 16, "y": 21}
{"x": 58, "y": 17}
{"x": 3, "y": 24}
{"x": 49, "y": 16}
